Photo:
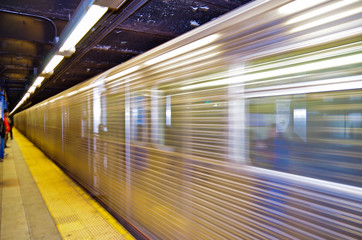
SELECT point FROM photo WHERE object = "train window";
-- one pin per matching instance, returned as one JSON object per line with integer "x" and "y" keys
{"x": 315, "y": 134}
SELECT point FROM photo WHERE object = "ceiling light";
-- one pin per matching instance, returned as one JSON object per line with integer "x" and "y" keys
{"x": 53, "y": 63}
{"x": 92, "y": 16}
{"x": 31, "y": 89}
{"x": 38, "y": 81}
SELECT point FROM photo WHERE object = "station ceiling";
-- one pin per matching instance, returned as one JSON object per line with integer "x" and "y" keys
{"x": 29, "y": 30}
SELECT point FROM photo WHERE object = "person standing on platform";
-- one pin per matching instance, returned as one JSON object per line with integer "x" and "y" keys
{"x": 2, "y": 135}
{"x": 7, "y": 126}
{"x": 11, "y": 123}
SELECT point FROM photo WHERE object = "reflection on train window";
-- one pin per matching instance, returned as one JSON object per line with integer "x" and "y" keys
{"x": 169, "y": 133}
{"x": 317, "y": 135}
{"x": 99, "y": 110}
{"x": 168, "y": 111}
{"x": 138, "y": 118}
{"x": 104, "y": 112}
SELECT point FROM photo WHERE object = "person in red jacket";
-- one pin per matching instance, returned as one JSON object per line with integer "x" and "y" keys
{"x": 7, "y": 126}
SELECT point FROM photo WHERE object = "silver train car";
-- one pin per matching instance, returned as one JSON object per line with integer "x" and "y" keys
{"x": 249, "y": 127}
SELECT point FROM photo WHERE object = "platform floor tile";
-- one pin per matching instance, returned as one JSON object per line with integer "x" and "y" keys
{"x": 76, "y": 214}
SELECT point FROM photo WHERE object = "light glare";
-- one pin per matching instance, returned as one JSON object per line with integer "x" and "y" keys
{"x": 53, "y": 63}
{"x": 92, "y": 16}
{"x": 38, "y": 81}
{"x": 31, "y": 89}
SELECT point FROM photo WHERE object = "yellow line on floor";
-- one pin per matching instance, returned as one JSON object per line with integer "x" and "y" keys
{"x": 75, "y": 213}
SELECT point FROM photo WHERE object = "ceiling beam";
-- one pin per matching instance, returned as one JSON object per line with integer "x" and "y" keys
{"x": 27, "y": 27}
{"x": 22, "y": 48}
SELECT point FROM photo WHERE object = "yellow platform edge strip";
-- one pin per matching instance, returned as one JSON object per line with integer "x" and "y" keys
{"x": 40, "y": 167}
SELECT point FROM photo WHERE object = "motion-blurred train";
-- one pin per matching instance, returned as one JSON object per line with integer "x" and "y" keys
{"x": 248, "y": 127}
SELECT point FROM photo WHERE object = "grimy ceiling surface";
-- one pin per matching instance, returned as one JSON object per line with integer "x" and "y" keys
{"x": 29, "y": 29}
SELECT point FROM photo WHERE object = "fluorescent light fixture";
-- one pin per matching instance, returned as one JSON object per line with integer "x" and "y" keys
{"x": 189, "y": 47}
{"x": 325, "y": 20}
{"x": 31, "y": 89}
{"x": 299, "y": 5}
{"x": 38, "y": 81}
{"x": 53, "y": 63}
{"x": 320, "y": 11}
{"x": 92, "y": 16}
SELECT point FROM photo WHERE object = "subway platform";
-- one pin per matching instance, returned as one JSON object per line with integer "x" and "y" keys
{"x": 39, "y": 201}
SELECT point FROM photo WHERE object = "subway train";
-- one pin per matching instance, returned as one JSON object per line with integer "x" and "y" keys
{"x": 248, "y": 127}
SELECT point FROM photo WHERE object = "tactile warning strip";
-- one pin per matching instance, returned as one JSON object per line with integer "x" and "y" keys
{"x": 75, "y": 213}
